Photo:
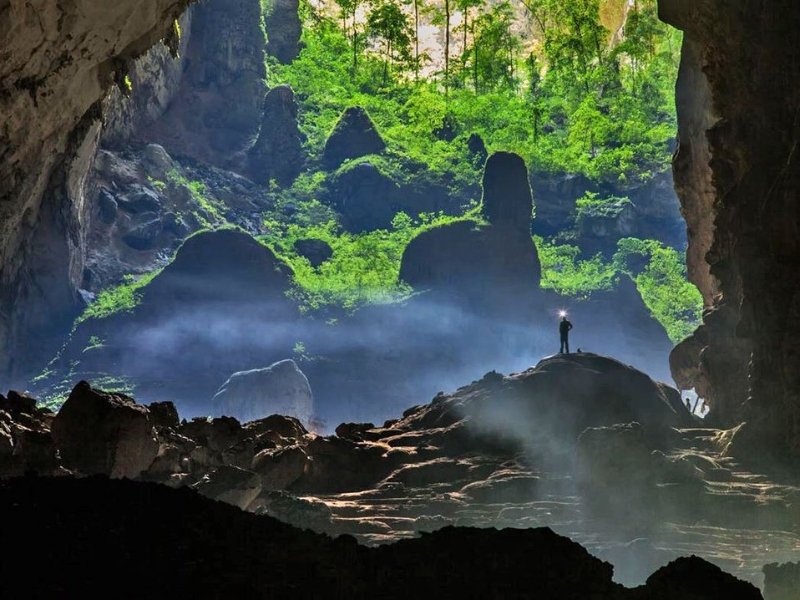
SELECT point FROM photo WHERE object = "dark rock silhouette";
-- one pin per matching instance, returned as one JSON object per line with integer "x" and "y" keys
{"x": 283, "y": 30}
{"x": 176, "y": 543}
{"x": 106, "y": 434}
{"x": 281, "y": 388}
{"x": 278, "y": 151}
{"x": 223, "y": 287}
{"x": 367, "y": 198}
{"x": 316, "y": 251}
{"x": 507, "y": 200}
{"x": 353, "y": 136}
{"x": 737, "y": 178}
{"x": 494, "y": 263}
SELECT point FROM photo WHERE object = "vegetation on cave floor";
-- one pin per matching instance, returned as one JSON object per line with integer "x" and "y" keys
{"x": 566, "y": 97}
{"x": 573, "y": 101}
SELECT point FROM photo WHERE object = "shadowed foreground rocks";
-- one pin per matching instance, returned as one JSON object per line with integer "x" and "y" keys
{"x": 160, "y": 542}
{"x": 580, "y": 443}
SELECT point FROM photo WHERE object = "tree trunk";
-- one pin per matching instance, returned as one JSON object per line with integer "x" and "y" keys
{"x": 416, "y": 40}
{"x": 446, "y": 47}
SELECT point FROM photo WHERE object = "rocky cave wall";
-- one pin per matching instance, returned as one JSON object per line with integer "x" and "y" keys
{"x": 57, "y": 63}
{"x": 737, "y": 175}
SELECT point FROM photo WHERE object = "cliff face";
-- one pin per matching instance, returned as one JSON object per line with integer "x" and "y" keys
{"x": 57, "y": 63}
{"x": 737, "y": 172}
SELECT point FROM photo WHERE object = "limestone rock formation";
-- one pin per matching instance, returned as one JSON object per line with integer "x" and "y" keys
{"x": 217, "y": 109}
{"x": 354, "y": 135}
{"x": 155, "y": 78}
{"x": 652, "y": 212}
{"x": 108, "y": 434}
{"x": 281, "y": 388}
{"x": 59, "y": 61}
{"x": 490, "y": 264}
{"x": 367, "y": 198}
{"x": 278, "y": 151}
{"x": 219, "y": 266}
{"x": 283, "y": 30}
{"x": 737, "y": 176}
{"x": 507, "y": 200}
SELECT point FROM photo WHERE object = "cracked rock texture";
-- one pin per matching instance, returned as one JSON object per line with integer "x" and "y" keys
{"x": 738, "y": 175}
{"x": 57, "y": 64}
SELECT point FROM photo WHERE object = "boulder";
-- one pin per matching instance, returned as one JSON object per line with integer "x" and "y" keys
{"x": 283, "y": 30}
{"x": 231, "y": 485}
{"x": 353, "y": 136}
{"x": 476, "y": 264}
{"x": 288, "y": 428}
{"x": 156, "y": 161}
{"x": 281, "y": 388}
{"x": 144, "y": 235}
{"x": 16, "y": 403}
{"x": 365, "y": 196}
{"x": 280, "y": 469}
{"x": 316, "y": 251}
{"x": 163, "y": 414}
{"x": 278, "y": 151}
{"x": 107, "y": 206}
{"x": 353, "y": 431}
{"x": 138, "y": 199}
{"x": 220, "y": 266}
{"x": 101, "y": 433}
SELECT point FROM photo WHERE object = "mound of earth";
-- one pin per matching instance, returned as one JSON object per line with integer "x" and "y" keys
{"x": 174, "y": 543}
{"x": 490, "y": 265}
{"x": 218, "y": 308}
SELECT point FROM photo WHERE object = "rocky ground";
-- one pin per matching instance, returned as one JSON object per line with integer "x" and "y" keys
{"x": 145, "y": 540}
{"x": 581, "y": 443}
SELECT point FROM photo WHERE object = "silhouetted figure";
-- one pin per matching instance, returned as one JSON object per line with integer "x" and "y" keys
{"x": 688, "y": 405}
{"x": 563, "y": 329}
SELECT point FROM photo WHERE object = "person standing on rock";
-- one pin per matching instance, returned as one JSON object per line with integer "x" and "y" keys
{"x": 564, "y": 328}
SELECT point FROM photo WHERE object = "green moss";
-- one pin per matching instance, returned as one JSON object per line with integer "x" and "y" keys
{"x": 121, "y": 298}
{"x": 364, "y": 268}
{"x": 592, "y": 206}
{"x": 565, "y": 273}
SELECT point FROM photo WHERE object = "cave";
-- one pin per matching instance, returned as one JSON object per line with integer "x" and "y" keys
{"x": 284, "y": 280}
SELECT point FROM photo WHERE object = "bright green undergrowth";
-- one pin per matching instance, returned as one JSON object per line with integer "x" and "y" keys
{"x": 658, "y": 271}
{"x": 364, "y": 268}
{"x": 120, "y": 298}
{"x": 572, "y": 105}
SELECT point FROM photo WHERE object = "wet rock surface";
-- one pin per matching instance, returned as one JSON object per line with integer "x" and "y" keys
{"x": 580, "y": 443}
